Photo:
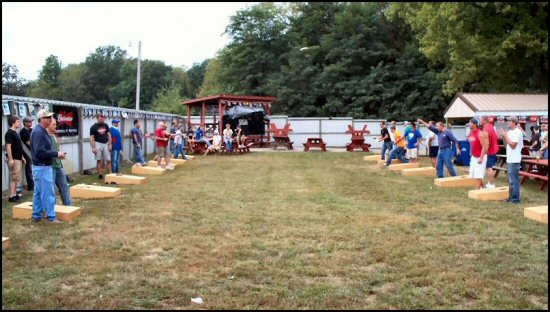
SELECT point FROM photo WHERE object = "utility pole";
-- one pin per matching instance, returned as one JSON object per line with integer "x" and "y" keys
{"x": 138, "y": 75}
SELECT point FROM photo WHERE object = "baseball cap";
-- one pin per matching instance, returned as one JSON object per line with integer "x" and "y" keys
{"x": 44, "y": 113}
{"x": 27, "y": 119}
{"x": 512, "y": 119}
{"x": 116, "y": 120}
{"x": 474, "y": 121}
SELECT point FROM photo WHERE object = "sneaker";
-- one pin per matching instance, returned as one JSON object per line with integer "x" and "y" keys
{"x": 13, "y": 199}
{"x": 54, "y": 221}
{"x": 35, "y": 220}
{"x": 100, "y": 176}
{"x": 490, "y": 186}
{"x": 19, "y": 196}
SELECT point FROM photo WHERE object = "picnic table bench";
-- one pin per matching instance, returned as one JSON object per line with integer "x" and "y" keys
{"x": 282, "y": 141}
{"x": 257, "y": 139}
{"x": 541, "y": 172}
{"x": 315, "y": 142}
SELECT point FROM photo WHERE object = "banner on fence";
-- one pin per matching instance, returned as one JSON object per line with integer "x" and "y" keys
{"x": 67, "y": 120}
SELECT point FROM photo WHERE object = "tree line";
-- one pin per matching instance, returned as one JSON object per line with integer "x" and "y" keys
{"x": 361, "y": 60}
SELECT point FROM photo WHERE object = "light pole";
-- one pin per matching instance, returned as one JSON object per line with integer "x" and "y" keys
{"x": 138, "y": 75}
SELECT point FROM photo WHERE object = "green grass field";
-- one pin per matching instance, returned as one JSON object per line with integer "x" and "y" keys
{"x": 281, "y": 231}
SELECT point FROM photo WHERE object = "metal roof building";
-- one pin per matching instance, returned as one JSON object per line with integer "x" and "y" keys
{"x": 467, "y": 105}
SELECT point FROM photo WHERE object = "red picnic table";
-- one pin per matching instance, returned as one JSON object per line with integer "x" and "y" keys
{"x": 280, "y": 136}
{"x": 541, "y": 172}
{"x": 357, "y": 139}
{"x": 315, "y": 142}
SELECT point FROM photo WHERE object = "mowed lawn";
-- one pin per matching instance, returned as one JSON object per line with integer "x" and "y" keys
{"x": 279, "y": 231}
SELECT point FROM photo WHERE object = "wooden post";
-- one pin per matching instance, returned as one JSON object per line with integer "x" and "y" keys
{"x": 220, "y": 110}
{"x": 80, "y": 143}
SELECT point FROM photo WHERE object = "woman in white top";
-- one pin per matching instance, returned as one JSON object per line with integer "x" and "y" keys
{"x": 228, "y": 138}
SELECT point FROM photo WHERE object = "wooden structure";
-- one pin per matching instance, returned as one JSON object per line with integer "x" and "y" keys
{"x": 458, "y": 181}
{"x": 399, "y": 167}
{"x": 372, "y": 158}
{"x": 422, "y": 171}
{"x": 315, "y": 142}
{"x": 124, "y": 179}
{"x": 217, "y": 105}
{"x": 357, "y": 139}
{"x": 23, "y": 211}
{"x": 5, "y": 243}
{"x": 147, "y": 170}
{"x": 94, "y": 191}
{"x": 539, "y": 213}
{"x": 382, "y": 163}
{"x": 499, "y": 193}
{"x": 541, "y": 172}
{"x": 280, "y": 136}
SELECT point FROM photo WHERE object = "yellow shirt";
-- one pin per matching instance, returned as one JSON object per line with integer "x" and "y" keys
{"x": 397, "y": 135}
{"x": 227, "y": 133}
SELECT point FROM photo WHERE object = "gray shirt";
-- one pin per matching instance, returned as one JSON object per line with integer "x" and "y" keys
{"x": 446, "y": 139}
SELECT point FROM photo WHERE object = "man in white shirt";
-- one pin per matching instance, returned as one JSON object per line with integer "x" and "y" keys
{"x": 514, "y": 144}
{"x": 433, "y": 144}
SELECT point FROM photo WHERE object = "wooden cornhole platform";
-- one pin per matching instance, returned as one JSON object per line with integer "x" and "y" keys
{"x": 539, "y": 213}
{"x": 372, "y": 157}
{"x": 94, "y": 191}
{"x": 124, "y": 179}
{"x": 23, "y": 211}
{"x": 382, "y": 163}
{"x": 499, "y": 193}
{"x": 422, "y": 171}
{"x": 154, "y": 163}
{"x": 398, "y": 167}
{"x": 173, "y": 161}
{"x": 5, "y": 243}
{"x": 458, "y": 181}
{"x": 147, "y": 170}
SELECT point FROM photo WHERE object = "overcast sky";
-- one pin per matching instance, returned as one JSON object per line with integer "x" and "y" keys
{"x": 179, "y": 34}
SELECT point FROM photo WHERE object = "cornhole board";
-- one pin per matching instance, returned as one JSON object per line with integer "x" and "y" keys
{"x": 23, "y": 211}
{"x": 422, "y": 171}
{"x": 458, "y": 181}
{"x": 5, "y": 243}
{"x": 499, "y": 193}
{"x": 382, "y": 163}
{"x": 539, "y": 213}
{"x": 177, "y": 161}
{"x": 191, "y": 157}
{"x": 398, "y": 167}
{"x": 147, "y": 170}
{"x": 94, "y": 191}
{"x": 154, "y": 163}
{"x": 125, "y": 179}
{"x": 372, "y": 157}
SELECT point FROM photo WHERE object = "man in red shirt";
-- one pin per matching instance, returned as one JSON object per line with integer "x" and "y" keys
{"x": 492, "y": 151}
{"x": 479, "y": 144}
{"x": 162, "y": 137}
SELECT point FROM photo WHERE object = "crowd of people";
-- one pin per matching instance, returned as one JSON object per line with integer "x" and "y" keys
{"x": 37, "y": 151}
{"x": 484, "y": 147}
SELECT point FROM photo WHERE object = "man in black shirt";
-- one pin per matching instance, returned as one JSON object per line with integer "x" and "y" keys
{"x": 25, "y": 135}
{"x": 100, "y": 139}
{"x": 385, "y": 136}
{"x": 15, "y": 155}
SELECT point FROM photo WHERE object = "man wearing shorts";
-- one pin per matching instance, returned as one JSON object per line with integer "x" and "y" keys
{"x": 492, "y": 151}
{"x": 100, "y": 139}
{"x": 14, "y": 150}
{"x": 414, "y": 138}
{"x": 479, "y": 144}
{"x": 162, "y": 138}
{"x": 433, "y": 144}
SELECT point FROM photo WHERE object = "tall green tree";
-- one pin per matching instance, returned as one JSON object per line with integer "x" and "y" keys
{"x": 47, "y": 85}
{"x": 212, "y": 84}
{"x": 168, "y": 100}
{"x": 196, "y": 76}
{"x": 12, "y": 84}
{"x": 103, "y": 73}
{"x": 483, "y": 46}
{"x": 71, "y": 85}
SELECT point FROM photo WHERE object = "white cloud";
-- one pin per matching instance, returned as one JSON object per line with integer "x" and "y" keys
{"x": 179, "y": 34}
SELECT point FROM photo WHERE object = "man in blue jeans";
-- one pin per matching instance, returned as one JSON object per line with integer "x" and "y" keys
{"x": 398, "y": 150}
{"x": 137, "y": 142}
{"x": 42, "y": 154}
{"x": 59, "y": 175}
{"x": 445, "y": 139}
{"x": 387, "y": 145}
{"x": 116, "y": 139}
{"x": 514, "y": 144}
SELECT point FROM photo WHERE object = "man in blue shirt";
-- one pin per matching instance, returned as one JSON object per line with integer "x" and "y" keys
{"x": 199, "y": 136}
{"x": 414, "y": 138}
{"x": 42, "y": 154}
{"x": 137, "y": 142}
{"x": 116, "y": 139}
{"x": 446, "y": 139}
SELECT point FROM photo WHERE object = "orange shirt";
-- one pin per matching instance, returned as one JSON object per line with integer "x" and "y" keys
{"x": 397, "y": 135}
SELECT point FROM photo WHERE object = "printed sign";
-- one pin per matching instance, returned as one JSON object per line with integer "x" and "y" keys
{"x": 522, "y": 119}
{"x": 67, "y": 120}
{"x": 6, "y": 108}
{"x": 534, "y": 118}
{"x": 544, "y": 119}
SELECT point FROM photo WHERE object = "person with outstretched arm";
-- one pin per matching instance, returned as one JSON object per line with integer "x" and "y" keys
{"x": 445, "y": 139}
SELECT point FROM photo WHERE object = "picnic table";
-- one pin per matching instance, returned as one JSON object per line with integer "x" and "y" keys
{"x": 315, "y": 142}
{"x": 357, "y": 139}
{"x": 538, "y": 173}
{"x": 280, "y": 136}
{"x": 500, "y": 165}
